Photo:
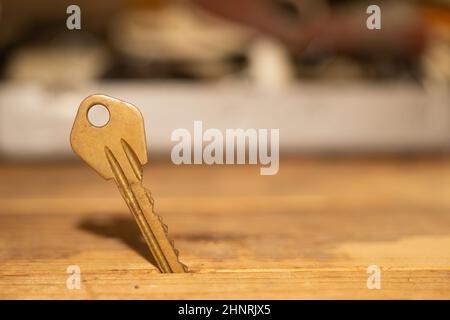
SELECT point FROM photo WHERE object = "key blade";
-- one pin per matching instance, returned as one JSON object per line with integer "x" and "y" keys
{"x": 140, "y": 203}
{"x": 124, "y": 135}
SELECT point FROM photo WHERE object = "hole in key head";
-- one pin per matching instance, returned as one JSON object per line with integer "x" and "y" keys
{"x": 98, "y": 115}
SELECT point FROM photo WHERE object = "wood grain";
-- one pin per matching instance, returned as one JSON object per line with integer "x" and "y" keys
{"x": 309, "y": 232}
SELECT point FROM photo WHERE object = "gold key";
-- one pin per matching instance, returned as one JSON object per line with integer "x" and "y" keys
{"x": 118, "y": 151}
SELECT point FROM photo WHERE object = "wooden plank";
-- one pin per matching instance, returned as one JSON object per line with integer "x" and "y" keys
{"x": 309, "y": 232}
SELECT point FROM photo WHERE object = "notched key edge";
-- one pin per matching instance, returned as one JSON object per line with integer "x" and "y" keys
{"x": 166, "y": 230}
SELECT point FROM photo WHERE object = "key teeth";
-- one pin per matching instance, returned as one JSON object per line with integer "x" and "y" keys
{"x": 165, "y": 227}
{"x": 152, "y": 203}
{"x": 166, "y": 230}
{"x": 150, "y": 198}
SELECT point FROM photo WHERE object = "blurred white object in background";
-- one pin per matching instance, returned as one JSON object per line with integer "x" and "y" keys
{"x": 58, "y": 65}
{"x": 35, "y": 121}
{"x": 270, "y": 66}
{"x": 182, "y": 34}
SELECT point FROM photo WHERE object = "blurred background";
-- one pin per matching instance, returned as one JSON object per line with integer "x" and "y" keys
{"x": 308, "y": 67}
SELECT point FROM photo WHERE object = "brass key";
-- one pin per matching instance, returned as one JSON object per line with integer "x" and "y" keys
{"x": 118, "y": 151}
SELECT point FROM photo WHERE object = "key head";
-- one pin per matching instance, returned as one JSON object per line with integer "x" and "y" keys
{"x": 125, "y": 127}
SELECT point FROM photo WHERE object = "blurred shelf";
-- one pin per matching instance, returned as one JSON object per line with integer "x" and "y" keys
{"x": 35, "y": 121}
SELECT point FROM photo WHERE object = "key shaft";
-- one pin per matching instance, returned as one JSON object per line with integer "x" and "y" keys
{"x": 140, "y": 203}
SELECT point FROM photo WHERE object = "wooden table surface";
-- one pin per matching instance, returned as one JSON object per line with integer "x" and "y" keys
{"x": 309, "y": 232}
